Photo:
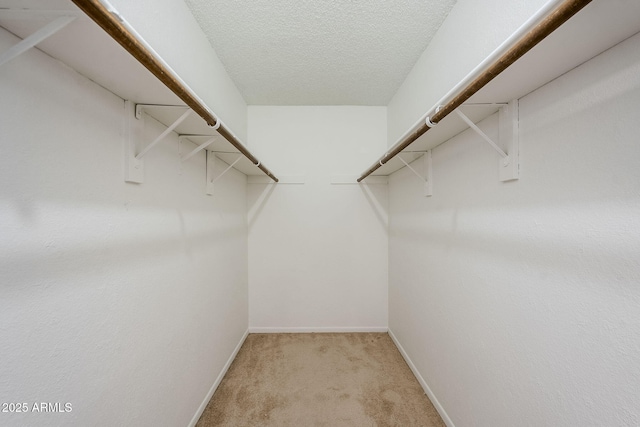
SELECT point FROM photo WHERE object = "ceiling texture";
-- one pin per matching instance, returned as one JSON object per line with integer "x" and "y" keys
{"x": 319, "y": 52}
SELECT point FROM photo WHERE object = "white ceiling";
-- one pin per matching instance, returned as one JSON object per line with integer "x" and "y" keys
{"x": 313, "y": 52}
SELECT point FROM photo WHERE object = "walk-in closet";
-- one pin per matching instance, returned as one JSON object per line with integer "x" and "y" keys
{"x": 320, "y": 213}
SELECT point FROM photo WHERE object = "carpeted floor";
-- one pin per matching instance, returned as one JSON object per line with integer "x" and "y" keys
{"x": 319, "y": 380}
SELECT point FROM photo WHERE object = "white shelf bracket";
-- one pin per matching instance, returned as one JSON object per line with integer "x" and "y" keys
{"x": 509, "y": 168}
{"x": 483, "y": 135}
{"x": 35, "y": 38}
{"x": 133, "y": 168}
{"x": 428, "y": 179}
{"x": 196, "y": 150}
{"x": 509, "y": 135}
{"x": 211, "y": 167}
{"x": 166, "y": 132}
{"x": 141, "y": 107}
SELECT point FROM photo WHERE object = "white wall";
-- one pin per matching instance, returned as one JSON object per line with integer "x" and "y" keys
{"x": 317, "y": 252}
{"x": 470, "y": 33}
{"x": 170, "y": 28}
{"x": 518, "y": 302}
{"x": 124, "y": 300}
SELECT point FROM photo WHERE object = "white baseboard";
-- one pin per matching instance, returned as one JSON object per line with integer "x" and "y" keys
{"x": 301, "y": 330}
{"x": 217, "y": 382}
{"x": 423, "y": 383}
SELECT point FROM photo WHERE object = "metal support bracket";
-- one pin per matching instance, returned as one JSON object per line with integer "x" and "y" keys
{"x": 189, "y": 137}
{"x": 166, "y": 132}
{"x": 134, "y": 162}
{"x": 133, "y": 167}
{"x": 484, "y": 136}
{"x": 35, "y": 38}
{"x": 196, "y": 150}
{"x": 141, "y": 107}
{"x": 509, "y": 135}
{"x": 509, "y": 168}
{"x": 211, "y": 167}
{"x": 428, "y": 179}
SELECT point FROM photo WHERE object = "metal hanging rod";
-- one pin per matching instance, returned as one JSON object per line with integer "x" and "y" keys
{"x": 532, "y": 32}
{"x": 105, "y": 15}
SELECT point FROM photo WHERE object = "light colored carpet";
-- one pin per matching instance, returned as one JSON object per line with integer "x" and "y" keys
{"x": 353, "y": 379}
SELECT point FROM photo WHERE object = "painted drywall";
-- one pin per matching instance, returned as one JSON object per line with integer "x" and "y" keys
{"x": 170, "y": 28}
{"x": 518, "y": 302}
{"x": 317, "y": 251}
{"x": 124, "y": 300}
{"x": 473, "y": 29}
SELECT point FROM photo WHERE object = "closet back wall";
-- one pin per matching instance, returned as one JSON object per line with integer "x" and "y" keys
{"x": 317, "y": 251}
{"x": 124, "y": 300}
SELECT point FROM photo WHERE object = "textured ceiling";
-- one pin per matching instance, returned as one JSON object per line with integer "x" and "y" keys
{"x": 315, "y": 52}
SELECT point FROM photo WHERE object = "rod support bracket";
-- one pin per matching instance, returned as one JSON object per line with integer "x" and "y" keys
{"x": 508, "y": 137}
{"x": 216, "y": 126}
{"x": 42, "y": 34}
{"x": 166, "y": 132}
{"x": 509, "y": 167}
{"x": 211, "y": 168}
{"x": 428, "y": 178}
{"x": 198, "y": 148}
{"x": 133, "y": 131}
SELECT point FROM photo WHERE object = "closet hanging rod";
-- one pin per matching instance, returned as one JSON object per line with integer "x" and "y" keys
{"x": 533, "y": 31}
{"x": 105, "y": 15}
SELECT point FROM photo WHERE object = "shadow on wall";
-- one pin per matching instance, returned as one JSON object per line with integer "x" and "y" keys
{"x": 258, "y": 201}
{"x": 568, "y": 243}
{"x": 103, "y": 251}
{"x": 377, "y": 198}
